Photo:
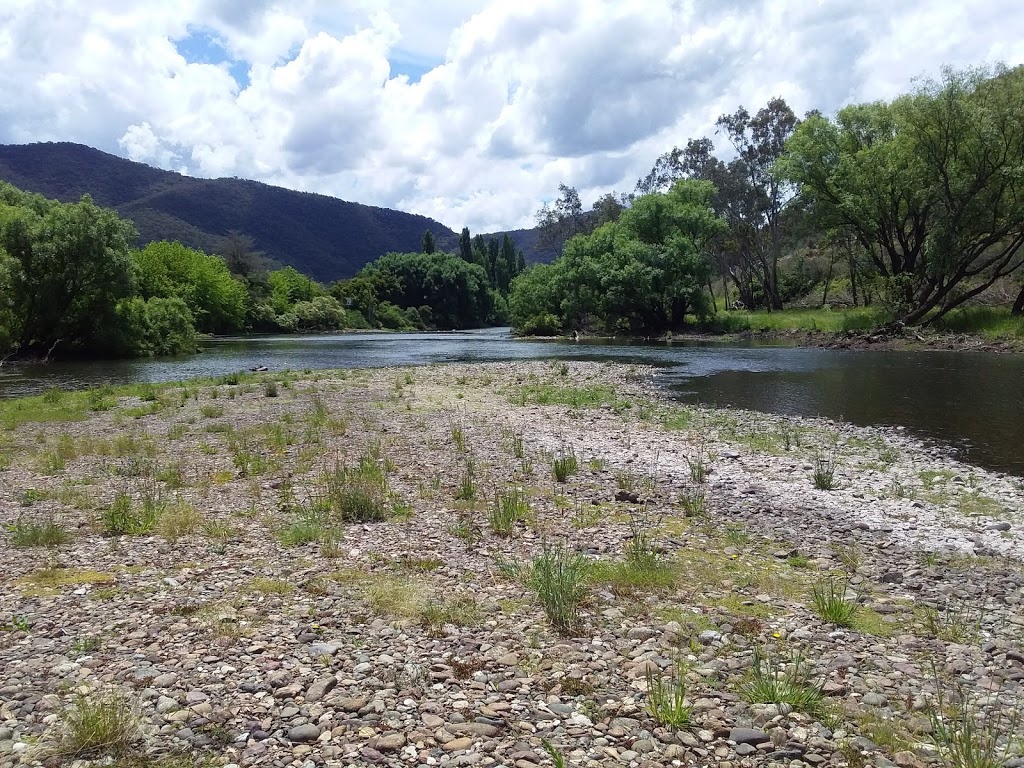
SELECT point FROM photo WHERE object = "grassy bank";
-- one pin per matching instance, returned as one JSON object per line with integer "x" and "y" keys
{"x": 989, "y": 323}
{"x": 475, "y": 562}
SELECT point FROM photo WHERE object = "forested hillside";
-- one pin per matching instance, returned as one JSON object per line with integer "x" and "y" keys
{"x": 320, "y": 236}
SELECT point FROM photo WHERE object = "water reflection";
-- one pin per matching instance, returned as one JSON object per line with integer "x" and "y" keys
{"x": 973, "y": 401}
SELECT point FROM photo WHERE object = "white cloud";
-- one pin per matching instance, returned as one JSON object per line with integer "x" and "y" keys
{"x": 520, "y": 96}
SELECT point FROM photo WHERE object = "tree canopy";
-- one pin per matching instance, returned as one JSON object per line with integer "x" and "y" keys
{"x": 644, "y": 272}
{"x": 931, "y": 186}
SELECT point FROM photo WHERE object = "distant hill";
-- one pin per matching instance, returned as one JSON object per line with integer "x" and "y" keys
{"x": 321, "y": 236}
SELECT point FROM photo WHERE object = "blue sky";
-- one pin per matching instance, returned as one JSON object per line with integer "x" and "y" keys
{"x": 468, "y": 111}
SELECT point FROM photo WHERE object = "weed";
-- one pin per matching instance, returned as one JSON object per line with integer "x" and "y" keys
{"x": 828, "y": 597}
{"x": 27, "y": 533}
{"x": 824, "y": 474}
{"x": 773, "y": 682}
{"x": 121, "y": 519}
{"x": 694, "y": 502}
{"x": 178, "y": 519}
{"x": 666, "y": 698}
{"x": 467, "y": 485}
{"x": 798, "y": 561}
{"x": 559, "y": 579}
{"x": 270, "y": 389}
{"x": 850, "y": 556}
{"x": 698, "y": 464}
{"x": 564, "y": 465}
{"x": 954, "y": 622}
{"x": 967, "y": 736}
{"x": 97, "y": 724}
{"x": 510, "y": 507}
{"x": 271, "y": 586}
{"x": 460, "y": 611}
{"x": 211, "y": 411}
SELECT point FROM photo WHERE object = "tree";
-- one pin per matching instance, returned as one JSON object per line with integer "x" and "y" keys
{"x": 561, "y": 220}
{"x": 760, "y": 141}
{"x": 428, "y": 242}
{"x": 71, "y": 265}
{"x": 216, "y": 300}
{"x": 643, "y": 272}
{"x": 240, "y": 254}
{"x": 749, "y": 196}
{"x": 931, "y": 185}
{"x": 466, "y": 245}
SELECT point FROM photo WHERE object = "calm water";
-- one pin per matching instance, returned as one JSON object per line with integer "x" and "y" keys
{"x": 973, "y": 402}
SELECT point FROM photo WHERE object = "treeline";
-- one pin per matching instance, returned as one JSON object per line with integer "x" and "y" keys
{"x": 71, "y": 283}
{"x": 436, "y": 290}
{"x": 915, "y": 205}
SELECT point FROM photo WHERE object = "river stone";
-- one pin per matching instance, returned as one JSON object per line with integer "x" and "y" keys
{"x": 390, "y": 743}
{"x": 320, "y": 688}
{"x": 748, "y": 736}
{"x": 303, "y": 733}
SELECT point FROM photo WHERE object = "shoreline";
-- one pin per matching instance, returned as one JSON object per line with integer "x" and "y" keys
{"x": 911, "y": 340}
{"x": 401, "y": 642}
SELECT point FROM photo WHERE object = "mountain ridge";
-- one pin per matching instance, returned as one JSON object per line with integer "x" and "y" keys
{"x": 322, "y": 236}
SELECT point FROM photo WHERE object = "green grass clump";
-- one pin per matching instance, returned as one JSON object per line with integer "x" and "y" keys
{"x": 28, "y": 533}
{"x": 510, "y": 507}
{"x": 559, "y": 578}
{"x": 576, "y": 397}
{"x": 990, "y": 322}
{"x": 96, "y": 725}
{"x": 773, "y": 682}
{"x": 121, "y": 518}
{"x": 666, "y": 698}
{"x": 828, "y": 598}
{"x": 564, "y": 465}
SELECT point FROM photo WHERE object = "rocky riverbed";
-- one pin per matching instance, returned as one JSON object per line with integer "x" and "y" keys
{"x": 238, "y": 620}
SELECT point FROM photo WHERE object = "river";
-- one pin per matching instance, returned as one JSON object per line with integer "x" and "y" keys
{"x": 972, "y": 402}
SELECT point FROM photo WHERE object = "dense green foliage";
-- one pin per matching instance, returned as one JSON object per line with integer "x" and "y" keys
{"x": 643, "y": 272}
{"x": 913, "y": 208}
{"x": 71, "y": 283}
{"x": 930, "y": 185}
{"x": 66, "y": 267}
{"x": 423, "y": 290}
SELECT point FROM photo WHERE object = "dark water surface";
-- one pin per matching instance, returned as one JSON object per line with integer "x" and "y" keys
{"x": 973, "y": 401}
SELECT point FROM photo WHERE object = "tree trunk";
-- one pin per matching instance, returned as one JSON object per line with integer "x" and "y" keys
{"x": 714, "y": 301}
{"x": 1018, "y": 305}
{"x": 725, "y": 294}
{"x": 853, "y": 278}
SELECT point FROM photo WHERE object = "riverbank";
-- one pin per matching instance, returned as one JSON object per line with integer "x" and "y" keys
{"x": 249, "y": 624}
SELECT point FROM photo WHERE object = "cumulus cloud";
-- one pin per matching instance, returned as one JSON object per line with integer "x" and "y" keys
{"x": 509, "y": 99}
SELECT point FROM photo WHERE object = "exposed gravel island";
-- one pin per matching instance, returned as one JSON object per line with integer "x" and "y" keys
{"x": 349, "y": 568}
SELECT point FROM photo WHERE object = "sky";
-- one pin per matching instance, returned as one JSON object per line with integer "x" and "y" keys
{"x": 469, "y": 112}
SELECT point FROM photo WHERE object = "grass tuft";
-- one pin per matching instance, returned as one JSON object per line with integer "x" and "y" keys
{"x": 27, "y": 533}
{"x": 773, "y": 682}
{"x": 96, "y": 725}
{"x": 559, "y": 578}
{"x": 828, "y": 597}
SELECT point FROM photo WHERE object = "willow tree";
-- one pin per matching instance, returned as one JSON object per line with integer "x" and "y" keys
{"x": 931, "y": 185}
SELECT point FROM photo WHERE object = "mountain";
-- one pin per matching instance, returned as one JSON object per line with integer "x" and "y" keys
{"x": 322, "y": 236}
